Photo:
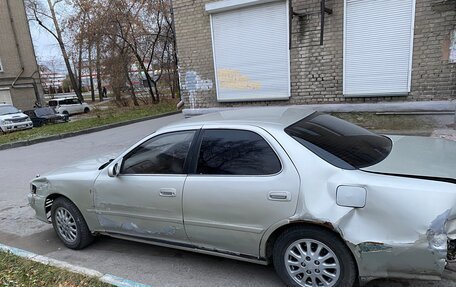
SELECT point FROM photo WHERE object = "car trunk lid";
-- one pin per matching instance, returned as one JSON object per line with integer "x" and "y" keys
{"x": 420, "y": 157}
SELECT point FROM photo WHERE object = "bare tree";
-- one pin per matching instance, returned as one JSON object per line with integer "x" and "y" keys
{"x": 144, "y": 27}
{"x": 47, "y": 18}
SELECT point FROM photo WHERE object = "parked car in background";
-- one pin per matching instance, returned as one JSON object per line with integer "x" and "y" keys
{"x": 69, "y": 106}
{"x": 12, "y": 119}
{"x": 326, "y": 201}
{"x": 47, "y": 115}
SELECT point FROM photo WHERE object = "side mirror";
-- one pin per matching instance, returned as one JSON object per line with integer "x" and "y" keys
{"x": 114, "y": 170}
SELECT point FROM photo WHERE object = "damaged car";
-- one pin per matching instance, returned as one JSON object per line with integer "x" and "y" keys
{"x": 326, "y": 202}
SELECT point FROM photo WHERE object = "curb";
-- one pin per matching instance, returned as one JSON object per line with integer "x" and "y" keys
{"x": 106, "y": 278}
{"x": 83, "y": 132}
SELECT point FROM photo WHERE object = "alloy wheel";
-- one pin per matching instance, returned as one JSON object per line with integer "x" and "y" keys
{"x": 312, "y": 264}
{"x": 66, "y": 225}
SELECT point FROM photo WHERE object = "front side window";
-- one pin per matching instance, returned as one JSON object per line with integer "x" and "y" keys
{"x": 341, "y": 143}
{"x": 236, "y": 152}
{"x": 164, "y": 154}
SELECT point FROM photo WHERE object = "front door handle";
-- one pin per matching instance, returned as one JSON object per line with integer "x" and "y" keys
{"x": 279, "y": 196}
{"x": 168, "y": 192}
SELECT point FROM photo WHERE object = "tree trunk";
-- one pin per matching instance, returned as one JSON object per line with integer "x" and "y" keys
{"x": 148, "y": 77}
{"x": 157, "y": 94}
{"x": 132, "y": 89}
{"x": 98, "y": 67}
{"x": 66, "y": 58}
{"x": 80, "y": 67}
{"x": 92, "y": 88}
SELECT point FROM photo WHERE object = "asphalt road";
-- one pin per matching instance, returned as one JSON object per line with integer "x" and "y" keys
{"x": 156, "y": 266}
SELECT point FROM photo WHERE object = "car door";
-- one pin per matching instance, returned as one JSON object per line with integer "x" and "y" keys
{"x": 73, "y": 106}
{"x": 145, "y": 198}
{"x": 242, "y": 183}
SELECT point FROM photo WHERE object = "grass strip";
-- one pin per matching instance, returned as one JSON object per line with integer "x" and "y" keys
{"x": 100, "y": 118}
{"x": 19, "y": 272}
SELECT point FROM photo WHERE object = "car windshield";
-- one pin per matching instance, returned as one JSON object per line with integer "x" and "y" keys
{"x": 341, "y": 143}
{"x": 44, "y": 112}
{"x": 8, "y": 110}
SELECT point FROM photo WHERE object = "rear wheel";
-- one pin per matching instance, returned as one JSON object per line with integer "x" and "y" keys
{"x": 313, "y": 257}
{"x": 86, "y": 110}
{"x": 69, "y": 224}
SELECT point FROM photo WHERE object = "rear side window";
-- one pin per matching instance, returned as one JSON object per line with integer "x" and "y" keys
{"x": 236, "y": 152}
{"x": 341, "y": 143}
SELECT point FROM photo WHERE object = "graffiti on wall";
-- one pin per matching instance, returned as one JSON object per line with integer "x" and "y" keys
{"x": 234, "y": 80}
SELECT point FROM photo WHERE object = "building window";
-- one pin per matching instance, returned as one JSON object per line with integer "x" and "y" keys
{"x": 250, "y": 48}
{"x": 1, "y": 65}
{"x": 453, "y": 46}
{"x": 378, "y": 47}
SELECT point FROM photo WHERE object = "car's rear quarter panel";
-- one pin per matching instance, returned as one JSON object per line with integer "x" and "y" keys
{"x": 401, "y": 230}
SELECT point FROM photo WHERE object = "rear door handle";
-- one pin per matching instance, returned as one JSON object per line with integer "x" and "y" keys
{"x": 167, "y": 192}
{"x": 279, "y": 196}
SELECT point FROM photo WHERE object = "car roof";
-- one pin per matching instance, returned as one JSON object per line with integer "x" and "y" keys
{"x": 282, "y": 116}
{"x": 63, "y": 98}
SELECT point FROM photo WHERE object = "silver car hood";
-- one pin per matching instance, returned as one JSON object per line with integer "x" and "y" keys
{"x": 419, "y": 157}
{"x": 83, "y": 166}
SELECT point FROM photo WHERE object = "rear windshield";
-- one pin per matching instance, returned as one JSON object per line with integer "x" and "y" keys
{"x": 341, "y": 143}
{"x": 44, "y": 112}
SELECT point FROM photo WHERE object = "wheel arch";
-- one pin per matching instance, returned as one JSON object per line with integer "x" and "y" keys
{"x": 89, "y": 218}
{"x": 49, "y": 201}
{"x": 267, "y": 245}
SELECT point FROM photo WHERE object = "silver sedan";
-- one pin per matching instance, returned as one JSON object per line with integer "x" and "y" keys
{"x": 325, "y": 201}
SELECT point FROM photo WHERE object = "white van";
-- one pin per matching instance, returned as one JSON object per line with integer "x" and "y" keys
{"x": 69, "y": 106}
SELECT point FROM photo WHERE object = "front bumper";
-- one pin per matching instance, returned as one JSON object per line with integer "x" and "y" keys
{"x": 16, "y": 126}
{"x": 38, "y": 203}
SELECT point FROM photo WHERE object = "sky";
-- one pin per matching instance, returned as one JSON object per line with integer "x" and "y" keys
{"x": 46, "y": 48}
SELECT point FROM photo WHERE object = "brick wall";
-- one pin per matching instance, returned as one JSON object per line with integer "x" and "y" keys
{"x": 317, "y": 71}
{"x": 433, "y": 77}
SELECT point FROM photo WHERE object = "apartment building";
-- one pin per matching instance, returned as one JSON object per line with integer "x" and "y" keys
{"x": 19, "y": 74}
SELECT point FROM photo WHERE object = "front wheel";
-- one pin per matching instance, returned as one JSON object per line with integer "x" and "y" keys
{"x": 313, "y": 257}
{"x": 69, "y": 224}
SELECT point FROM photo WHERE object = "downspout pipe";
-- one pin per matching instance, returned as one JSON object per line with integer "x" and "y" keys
{"x": 13, "y": 26}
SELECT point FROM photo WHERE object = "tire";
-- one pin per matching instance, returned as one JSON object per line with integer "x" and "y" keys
{"x": 73, "y": 232}
{"x": 310, "y": 269}
{"x": 86, "y": 110}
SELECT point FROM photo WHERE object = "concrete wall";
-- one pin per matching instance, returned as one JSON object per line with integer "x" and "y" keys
{"x": 317, "y": 71}
{"x": 16, "y": 55}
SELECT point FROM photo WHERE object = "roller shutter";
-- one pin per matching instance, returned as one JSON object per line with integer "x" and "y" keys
{"x": 251, "y": 53}
{"x": 378, "y": 45}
